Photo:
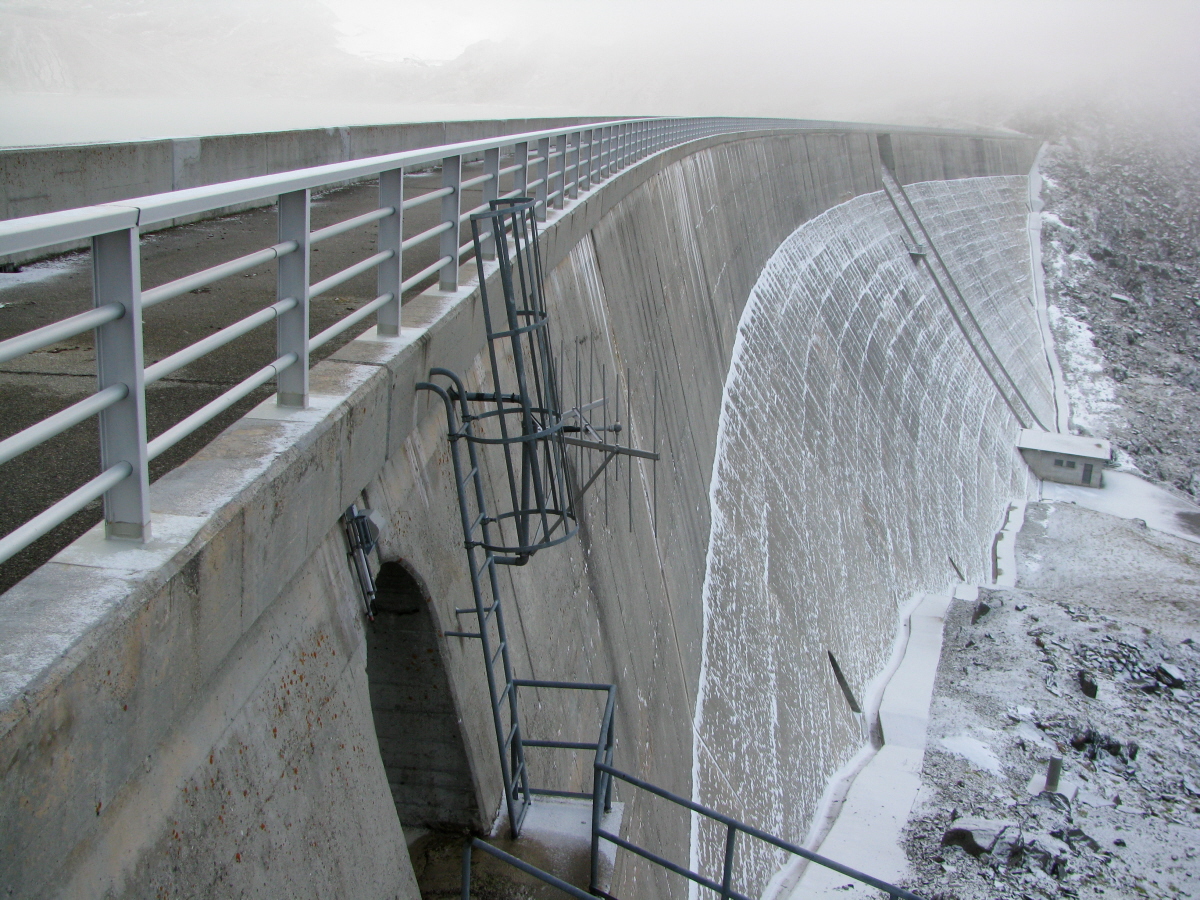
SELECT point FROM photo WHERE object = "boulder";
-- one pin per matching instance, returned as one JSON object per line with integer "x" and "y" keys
{"x": 976, "y": 836}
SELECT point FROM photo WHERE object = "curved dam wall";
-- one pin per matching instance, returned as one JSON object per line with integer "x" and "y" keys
{"x": 196, "y": 715}
{"x": 863, "y": 453}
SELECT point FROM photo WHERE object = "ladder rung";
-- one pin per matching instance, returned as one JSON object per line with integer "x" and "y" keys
{"x": 487, "y": 610}
{"x": 489, "y": 560}
{"x": 496, "y": 655}
{"x": 474, "y": 471}
{"x": 466, "y": 634}
{"x": 517, "y": 772}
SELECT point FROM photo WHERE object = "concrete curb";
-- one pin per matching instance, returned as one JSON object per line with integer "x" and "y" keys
{"x": 866, "y": 834}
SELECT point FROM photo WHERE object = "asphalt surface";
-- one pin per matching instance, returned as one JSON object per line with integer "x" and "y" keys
{"x": 37, "y": 385}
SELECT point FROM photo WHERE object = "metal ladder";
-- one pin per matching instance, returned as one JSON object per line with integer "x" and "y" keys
{"x": 489, "y": 609}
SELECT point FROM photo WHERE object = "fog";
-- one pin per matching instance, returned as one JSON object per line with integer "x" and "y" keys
{"x": 72, "y": 70}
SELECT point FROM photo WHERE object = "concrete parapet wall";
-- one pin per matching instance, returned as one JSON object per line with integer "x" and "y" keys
{"x": 47, "y": 179}
{"x": 194, "y": 714}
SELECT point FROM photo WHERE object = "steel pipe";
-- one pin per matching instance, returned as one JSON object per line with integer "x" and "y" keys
{"x": 425, "y": 273}
{"x": 348, "y": 322}
{"x": 346, "y": 274}
{"x": 216, "y": 273}
{"x": 425, "y": 235}
{"x": 367, "y": 218}
{"x": 17, "y": 540}
{"x": 427, "y": 198}
{"x": 176, "y": 361}
{"x": 54, "y": 425}
{"x": 206, "y": 413}
{"x": 478, "y": 179}
{"x": 59, "y": 331}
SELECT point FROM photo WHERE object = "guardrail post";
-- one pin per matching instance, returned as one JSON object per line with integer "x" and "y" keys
{"x": 391, "y": 235}
{"x": 543, "y": 178}
{"x": 451, "y": 210}
{"x": 521, "y": 176}
{"x": 466, "y": 870}
{"x": 727, "y": 875}
{"x": 491, "y": 191}
{"x": 117, "y": 278}
{"x": 597, "y": 819}
{"x": 585, "y": 165}
{"x": 577, "y": 139}
{"x": 291, "y": 328}
{"x": 560, "y": 147}
{"x": 598, "y": 156}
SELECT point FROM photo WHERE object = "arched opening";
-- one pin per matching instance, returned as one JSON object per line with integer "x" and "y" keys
{"x": 415, "y": 719}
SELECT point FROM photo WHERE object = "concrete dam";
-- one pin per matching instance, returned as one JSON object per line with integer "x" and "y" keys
{"x": 209, "y": 713}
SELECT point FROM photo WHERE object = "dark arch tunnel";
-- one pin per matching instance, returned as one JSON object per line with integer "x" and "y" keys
{"x": 416, "y": 724}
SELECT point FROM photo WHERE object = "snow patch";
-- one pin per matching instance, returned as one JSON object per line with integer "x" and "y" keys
{"x": 1093, "y": 395}
{"x": 974, "y": 751}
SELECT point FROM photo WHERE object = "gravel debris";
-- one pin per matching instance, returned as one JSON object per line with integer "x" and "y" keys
{"x": 1125, "y": 820}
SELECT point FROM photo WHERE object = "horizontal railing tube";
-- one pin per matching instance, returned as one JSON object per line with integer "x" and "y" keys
{"x": 426, "y": 235}
{"x": 52, "y": 426}
{"x": 345, "y": 275}
{"x": 476, "y": 844}
{"x": 210, "y": 411}
{"x": 427, "y": 197}
{"x": 323, "y": 234}
{"x": 192, "y": 282}
{"x": 349, "y": 321}
{"x": 34, "y": 340}
{"x": 478, "y": 179}
{"x": 189, "y": 354}
{"x": 412, "y": 280}
{"x": 16, "y": 541}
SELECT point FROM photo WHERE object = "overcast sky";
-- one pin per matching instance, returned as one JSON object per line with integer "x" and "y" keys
{"x": 113, "y": 69}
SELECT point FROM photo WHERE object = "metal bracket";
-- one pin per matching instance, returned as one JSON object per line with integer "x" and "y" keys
{"x": 362, "y": 534}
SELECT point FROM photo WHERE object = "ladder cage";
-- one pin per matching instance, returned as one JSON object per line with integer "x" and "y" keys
{"x": 518, "y": 424}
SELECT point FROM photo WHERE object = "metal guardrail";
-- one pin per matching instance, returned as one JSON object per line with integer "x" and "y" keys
{"x": 552, "y": 166}
{"x": 724, "y": 888}
{"x": 604, "y": 774}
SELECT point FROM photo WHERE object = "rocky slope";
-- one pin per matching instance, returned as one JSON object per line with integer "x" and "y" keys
{"x": 1121, "y": 252}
